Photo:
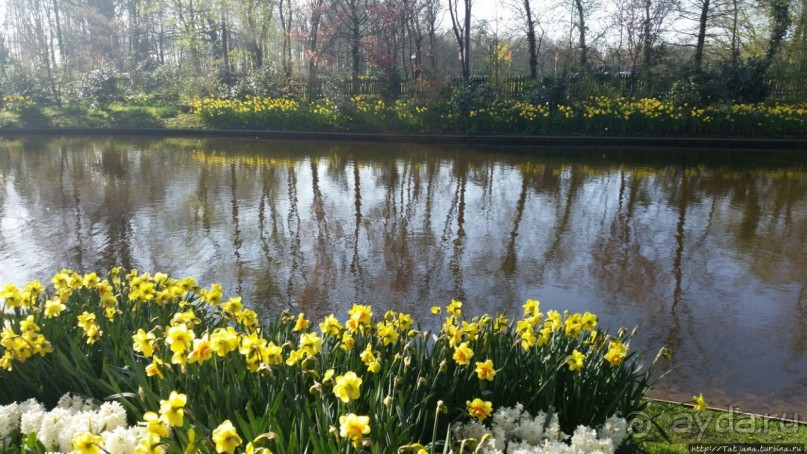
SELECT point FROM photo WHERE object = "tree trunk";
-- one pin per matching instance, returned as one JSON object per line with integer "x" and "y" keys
{"x": 433, "y": 37}
{"x": 287, "y": 37}
{"x": 735, "y": 36}
{"x": 647, "y": 44}
{"x": 531, "y": 41}
{"x": 285, "y": 23}
{"x": 780, "y": 22}
{"x": 225, "y": 46}
{"x": 59, "y": 38}
{"x": 462, "y": 34}
{"x": 467, "y": 55}
{"x": 355, "y": 57}
{"x": 316, "y": 17}
{"x": 701, "y": 36}
{"x": 581, "y": 25}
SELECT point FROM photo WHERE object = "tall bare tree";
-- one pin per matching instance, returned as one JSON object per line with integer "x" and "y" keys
{"x": 642, "y": 22}
{"x": 461, "y": 25}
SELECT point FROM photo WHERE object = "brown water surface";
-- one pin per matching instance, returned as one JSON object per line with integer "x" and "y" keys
{"x": 706, "y": 252}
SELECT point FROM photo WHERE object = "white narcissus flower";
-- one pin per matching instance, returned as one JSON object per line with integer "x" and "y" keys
{"x": 32, "y": 413}
{"x": 72, "y": 416}
{"x": 514, "y": 431}
{"x": 9, "y": 420}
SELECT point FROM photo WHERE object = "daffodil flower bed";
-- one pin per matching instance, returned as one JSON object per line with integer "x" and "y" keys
{"x": 15, "y": 103}
{"x": 596, "y": 115}
{"x": 260, "y": 113}
{"x": 197, "y": 370}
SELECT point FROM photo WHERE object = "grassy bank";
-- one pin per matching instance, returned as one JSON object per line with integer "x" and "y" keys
{"x": 112, "y": 116}
{"x": 594, "y": 116}
{"x": 684, "y": 427}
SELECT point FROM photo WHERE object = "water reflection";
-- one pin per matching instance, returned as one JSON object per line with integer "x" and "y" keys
{"x": 705, "y": 256}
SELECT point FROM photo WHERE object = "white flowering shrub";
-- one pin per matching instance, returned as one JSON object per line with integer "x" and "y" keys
{"x": 514, "y": 431}
{"x": 55, "y": 429}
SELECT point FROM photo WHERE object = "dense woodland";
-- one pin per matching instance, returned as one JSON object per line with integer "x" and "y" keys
{"x": 172, "y": 51}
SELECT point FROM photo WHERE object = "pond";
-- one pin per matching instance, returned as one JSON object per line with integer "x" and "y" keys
{"x": 705, "y": 252}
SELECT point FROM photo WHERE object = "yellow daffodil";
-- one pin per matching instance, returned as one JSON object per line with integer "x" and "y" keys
{"x": 310, "y": 343}
{"x": 250, "y": 448}
{"x": 454, "y": 308}
{"x": 214, "y": 295}
{"x": 531, "y": 307}
{"x": 172, "y": 410}
{"x": 354, "y": 427}
{"x": 295, "y": 356}
{"x": 187, "y": 318}
{"x": 573, "y": 325}
{"x": 360, "y": 318}
{"x": 33, "y": 290}
{"x": 202, "y": 350}
{"x": 553, "y": 320}
{"x": 544, "y": 336}
{"x": 85, "y": 320}
{"x": 700, "y": 403}
{"x": 387, "y": 333}
{"x": 404, "y": 321}
{"x": 463, "y": 354}
{"x": 233, "y": 305}
{"x": 328, "y": 377}
{"x": 575, "y": 360}
{"x": 302, "y": 323}
{"x": 154, "y": 425}
{"x": 367, "y": 356}
{"x": 616, "y": 352}
{"x": 224, "y": 340}
{"x": 226, "y": 438}
{"x": 525, "y": 325}
{"x": 248, "y": 319}
{"x": 347, "y": 342}
{"x": 347, "y": 387}
{"x": 87, "y": 443}
{"x": 470, "y": 330}
{"x": 154, "y": 368}
{"x": 92, "y": 332}
{"x": 331, "y": 327}
{"x": 180, "y": 338}
{"x": 485, "y": 370}
{"x": 150, "y": 444}
{"x": 589, "y": 321}
{"x": 528, "y": 340}
{"x": 144, "y": 342}
{"x": 91, "y": 280}
{"x": 5, "y": 361}
{"x": 272, "y": 354}
{"x": 479, "y": 409}
{"x": 28, "y": 325}
{"x": 53, "y": 307}
{"x": 500, "y": 324}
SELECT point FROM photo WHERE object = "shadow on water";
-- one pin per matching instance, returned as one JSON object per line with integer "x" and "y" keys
{"x": 704, "y": 251}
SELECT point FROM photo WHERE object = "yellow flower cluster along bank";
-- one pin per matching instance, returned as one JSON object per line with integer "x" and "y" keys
{"x": 594, "y": 116}
{"x": 198, "y": 370}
